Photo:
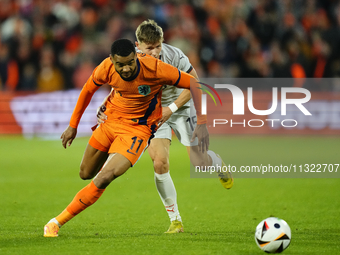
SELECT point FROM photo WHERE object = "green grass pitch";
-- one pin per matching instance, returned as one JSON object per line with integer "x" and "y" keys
{"x": 39, "y": 178}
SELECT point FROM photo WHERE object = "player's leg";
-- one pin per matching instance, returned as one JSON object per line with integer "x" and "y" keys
{"x": 92, "y": 162}
{"x": 95, "y": 154}
{"x": 93, "y": 159}
{"x": 124, "y": 151}
{"x": 210, "y": 158}
{"x": 198, "y": 158}
{"x": 115, "y": 166}
{"x": 159, "y": 153}
{"x": 183, "y": 127}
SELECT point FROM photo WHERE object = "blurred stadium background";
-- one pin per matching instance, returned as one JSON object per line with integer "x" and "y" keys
{"x": 48, "y": 49}
{"x": 53, "y": 46}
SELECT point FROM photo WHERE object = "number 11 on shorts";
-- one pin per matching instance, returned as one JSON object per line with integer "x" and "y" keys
{"x": 139, "y": 143}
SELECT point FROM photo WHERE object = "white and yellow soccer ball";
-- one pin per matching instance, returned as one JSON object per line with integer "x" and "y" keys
{"x": 273, "y": 235}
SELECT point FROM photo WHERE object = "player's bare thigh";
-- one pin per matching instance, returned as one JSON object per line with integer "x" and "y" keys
{"x": 159, "y": 153}
{"x": 198, "y": 158}
{"x": 92, "y": 162}
{"x": 115, "y": 165}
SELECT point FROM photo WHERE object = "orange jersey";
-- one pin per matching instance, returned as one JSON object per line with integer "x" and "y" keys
{"x": 136, "y": 100}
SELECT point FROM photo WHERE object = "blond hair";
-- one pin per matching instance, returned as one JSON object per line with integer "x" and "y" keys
{"x": 149, "y": 32}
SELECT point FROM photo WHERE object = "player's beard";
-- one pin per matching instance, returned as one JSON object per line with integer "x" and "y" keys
{"x": 127, "y": 75}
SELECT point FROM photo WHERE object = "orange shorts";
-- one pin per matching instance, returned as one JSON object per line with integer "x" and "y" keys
{"x": 128, "y": 140}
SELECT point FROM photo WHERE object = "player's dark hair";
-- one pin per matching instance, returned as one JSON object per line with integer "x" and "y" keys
{"x": 122, "y": 47}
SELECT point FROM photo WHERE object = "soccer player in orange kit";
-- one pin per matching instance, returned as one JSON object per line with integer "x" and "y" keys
{"x": 133, "y": 111}
{"x": 176, "y": 118}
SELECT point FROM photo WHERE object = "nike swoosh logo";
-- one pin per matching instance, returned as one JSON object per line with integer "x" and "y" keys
{"x": 130, "y": 152}
{"x": 181, "y": 57}
{"x": 82, "y": 202}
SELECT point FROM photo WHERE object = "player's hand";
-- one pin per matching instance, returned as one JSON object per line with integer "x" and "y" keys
{"x": 68, "y": 136}
{"x": 166, "y": 114}
{"x": 201, "y": 132}
{"x": 101, "y": 116}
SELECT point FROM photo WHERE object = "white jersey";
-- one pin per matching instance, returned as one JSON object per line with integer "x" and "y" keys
{"x": 181, "y": 122}
{"x": 175, "y": 57}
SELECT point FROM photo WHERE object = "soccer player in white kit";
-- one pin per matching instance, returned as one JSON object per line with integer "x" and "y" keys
{"x": 176, "y": 116}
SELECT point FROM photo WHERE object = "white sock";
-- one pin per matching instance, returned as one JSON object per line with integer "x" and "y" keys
{"x": 215, "y": 160}
{"x": 55, "y": 221}
{"x": 167, "y": 192}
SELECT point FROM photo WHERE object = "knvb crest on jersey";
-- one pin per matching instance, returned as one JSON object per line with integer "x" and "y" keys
{"x": 144, "y": 90}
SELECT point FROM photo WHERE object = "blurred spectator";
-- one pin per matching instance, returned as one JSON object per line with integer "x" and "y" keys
{"x": 27, "y": 65}
{"x": 15, "y": 26}
{"x": 83, "y": 72}
{"x": 238, "y": 38}
{"x": 28, "y": 78}
{"x": 279, "y": 62}
{"x": 49, "y": 77}
{"x": 9, "y": 73}
{"x": 321, "y": 53}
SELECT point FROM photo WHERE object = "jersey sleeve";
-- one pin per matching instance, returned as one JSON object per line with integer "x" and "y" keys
{"x": 98, "y": 78}
{"x": 183, "y": 62}
{"x": 100, "y": 74}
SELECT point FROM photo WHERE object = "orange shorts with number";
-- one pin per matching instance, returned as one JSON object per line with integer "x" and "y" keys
{"x": 116, "y": 137}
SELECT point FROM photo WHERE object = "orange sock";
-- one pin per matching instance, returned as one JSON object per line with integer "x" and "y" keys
{"x": 84, "y": 198}
{"x": 64, "y": 217}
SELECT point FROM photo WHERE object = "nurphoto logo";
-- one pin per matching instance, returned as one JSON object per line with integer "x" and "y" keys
{"x": 239, "y": 104}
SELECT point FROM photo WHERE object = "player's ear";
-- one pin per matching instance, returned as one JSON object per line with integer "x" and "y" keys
{"x": 111, "y": 58}
{"x": 137, "y": 44}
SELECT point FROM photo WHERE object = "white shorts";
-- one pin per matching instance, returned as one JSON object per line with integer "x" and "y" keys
{"x": 182, "y": 125}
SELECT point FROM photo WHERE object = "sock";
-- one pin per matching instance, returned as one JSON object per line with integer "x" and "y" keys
{"x": 167, "y": 192}
{"x": 62, "y": 218}
{"x": 84, "y": 198}
{"x": 215, "y": 160}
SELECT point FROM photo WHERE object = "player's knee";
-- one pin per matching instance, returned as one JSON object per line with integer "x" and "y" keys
{"x": 84, "y": 172}
{"x": 84, "y": 175}
{"x": 104, "y": 179}
{"x": 161, "y": 165}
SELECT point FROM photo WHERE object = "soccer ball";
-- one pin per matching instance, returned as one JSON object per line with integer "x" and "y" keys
{"x": 273, "y": 235}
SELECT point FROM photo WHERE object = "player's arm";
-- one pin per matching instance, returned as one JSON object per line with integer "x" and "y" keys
{"x": 184, "y": 81}
{"x": 182, "y": 99}
{"x": 168, "y": 74}
{"x": 90, "y": 87}
{"x": 201, "y": 130}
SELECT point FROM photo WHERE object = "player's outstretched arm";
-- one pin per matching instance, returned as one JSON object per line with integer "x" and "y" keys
{"x": 68, "y": 136}
{"x": 83, "y": 101}
{"x": 201, "y": 131}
